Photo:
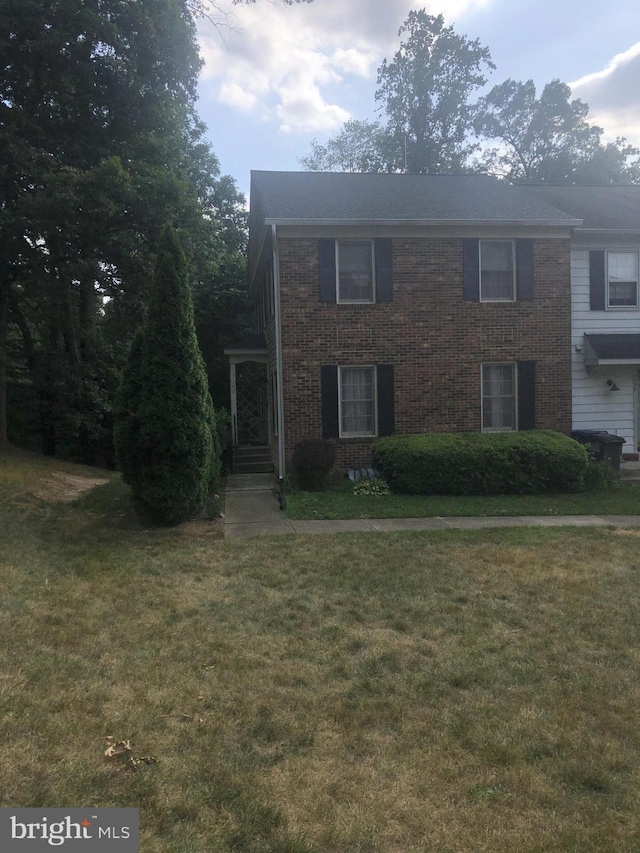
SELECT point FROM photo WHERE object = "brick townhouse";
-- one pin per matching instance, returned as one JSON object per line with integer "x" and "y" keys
{"x": 401, "y": 304}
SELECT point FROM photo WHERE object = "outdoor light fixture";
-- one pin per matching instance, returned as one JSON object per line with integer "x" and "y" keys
{"x": 612, "y": 385}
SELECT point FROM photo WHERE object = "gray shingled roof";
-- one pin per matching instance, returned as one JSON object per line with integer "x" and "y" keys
{"x": 338, "y": 197}
{"x": 606, "y": 208}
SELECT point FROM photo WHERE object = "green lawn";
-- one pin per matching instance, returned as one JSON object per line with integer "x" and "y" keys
{"x": 375, "y": 693}
{"x": 340, "y": 502}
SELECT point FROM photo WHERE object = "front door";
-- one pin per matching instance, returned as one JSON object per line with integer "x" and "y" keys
{"x": 252, "y": 396}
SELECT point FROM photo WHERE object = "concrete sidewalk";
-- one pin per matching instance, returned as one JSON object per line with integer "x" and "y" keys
{"x": 251, "y": 506}
{"x": 252, "y": 509}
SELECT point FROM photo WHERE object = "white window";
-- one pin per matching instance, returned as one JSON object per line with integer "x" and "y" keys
{"x": 357, "y": 401}
{"x": 497, "y": 271}
{"x": 622, "y": 279}
{"x": 499, "y": 404}
{"x": 354, "y": 266}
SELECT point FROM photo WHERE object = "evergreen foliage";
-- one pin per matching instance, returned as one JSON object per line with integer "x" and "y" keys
{"x": 126, "y": 431}
{"x": 165, "y": 432}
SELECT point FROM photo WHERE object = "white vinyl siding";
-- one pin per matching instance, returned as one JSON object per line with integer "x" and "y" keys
{"x": 594, "y": 405}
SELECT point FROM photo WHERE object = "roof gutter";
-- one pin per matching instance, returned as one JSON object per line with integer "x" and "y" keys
{"x": 278, "y": 337}
{"x": 546, "y": 223}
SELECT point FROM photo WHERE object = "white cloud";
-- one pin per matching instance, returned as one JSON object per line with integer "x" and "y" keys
{"x": 306, "y": 110}
{"x": 282, "y": 59}
{"x": 234, "y": 96}
{"x": 613, "y": 95}
{"x": 352, "y": 61}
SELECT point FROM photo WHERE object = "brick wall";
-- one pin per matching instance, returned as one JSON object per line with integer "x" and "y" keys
{"x": 435, "y": 340}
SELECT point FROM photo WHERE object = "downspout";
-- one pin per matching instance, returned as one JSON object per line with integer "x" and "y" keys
{"x": 280, "y": 384}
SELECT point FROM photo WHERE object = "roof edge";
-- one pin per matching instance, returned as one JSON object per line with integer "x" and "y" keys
{"x": 566, "y": 223}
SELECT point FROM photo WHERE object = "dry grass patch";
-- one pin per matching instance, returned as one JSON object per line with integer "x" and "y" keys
{"x": 361, "y": 692}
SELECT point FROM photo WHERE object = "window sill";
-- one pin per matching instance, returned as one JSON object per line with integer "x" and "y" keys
{"x": 359, "y": 436}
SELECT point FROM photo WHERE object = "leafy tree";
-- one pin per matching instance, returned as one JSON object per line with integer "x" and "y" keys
{"x": 549, "y": 139}
{"x": 100, "y": 145}
{"x": 361, "y": 146}
{"x": 424, "y": 92}
{"x": 166, "y": 420}
{"x": 423, "y": 97}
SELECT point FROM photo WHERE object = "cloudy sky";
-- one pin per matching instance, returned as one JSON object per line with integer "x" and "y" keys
{"x": 277, "y": 77}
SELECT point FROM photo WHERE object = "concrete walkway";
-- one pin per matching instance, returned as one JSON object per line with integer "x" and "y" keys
{"x": 252, "y": 509}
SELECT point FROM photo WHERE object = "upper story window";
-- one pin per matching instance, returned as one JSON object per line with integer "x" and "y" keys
{"x": 622, "y": 279}
{"x": 355, "y": 272}
{"x": 497, "y": 271}
{"x": 354, "y": 266}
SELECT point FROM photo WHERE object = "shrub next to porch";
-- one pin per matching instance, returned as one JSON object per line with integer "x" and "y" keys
{"x": 481, "y": 463}
{"x": 165, "y": 435}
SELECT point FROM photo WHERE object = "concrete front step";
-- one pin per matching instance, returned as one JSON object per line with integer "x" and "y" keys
{"x": 251, "y": 450}
{"x": 252, "y": 459}
{"x": 253, "y": 467}
{"x": 258, "y": 456}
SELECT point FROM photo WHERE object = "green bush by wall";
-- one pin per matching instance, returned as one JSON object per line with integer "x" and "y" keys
{"x": 530, "y": 462}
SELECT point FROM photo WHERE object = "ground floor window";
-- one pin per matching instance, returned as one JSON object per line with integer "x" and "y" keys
{"x": 357, "y": 400}
{"x": 499, "y": 404}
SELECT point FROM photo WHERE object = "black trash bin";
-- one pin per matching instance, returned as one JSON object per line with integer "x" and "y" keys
{"x": 602, "y": 444}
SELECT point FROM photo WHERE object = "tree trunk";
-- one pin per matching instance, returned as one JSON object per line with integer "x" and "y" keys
{"x": 4, "y": 313}
{"x": 88, "y": 310}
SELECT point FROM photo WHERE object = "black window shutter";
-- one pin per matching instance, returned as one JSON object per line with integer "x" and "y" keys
{"x": 386, "y": 400}
{"x": 471, "y": 270}
{"x": 327, "y": 269}
{"x": 329, "y": 386}
{"x": 526, "y": 395}
{"x": 596, "y": 280}
{"x": 525, "y": 277}
{"x": 384, "y": 269}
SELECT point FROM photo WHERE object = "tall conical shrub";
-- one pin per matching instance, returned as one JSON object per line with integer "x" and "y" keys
{"x": 126, "y": 432}
{"x": 166, "y": 448}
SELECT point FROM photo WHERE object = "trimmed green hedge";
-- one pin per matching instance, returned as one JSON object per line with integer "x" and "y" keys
{"x": 530, "y": 462}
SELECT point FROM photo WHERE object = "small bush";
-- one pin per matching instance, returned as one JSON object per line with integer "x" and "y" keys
{"x": 600, "y": 476}
{"x": 312, "y": 460}
{"x": 376, "y": 486}
{"x": 529, "y": 462}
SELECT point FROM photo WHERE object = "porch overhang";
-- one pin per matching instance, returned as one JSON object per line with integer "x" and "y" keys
{"x": 609, "y": 350}
{"x": 253, "y": 348}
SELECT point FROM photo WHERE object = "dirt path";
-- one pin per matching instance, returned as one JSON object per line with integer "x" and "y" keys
{"x": 64, "y": 488}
